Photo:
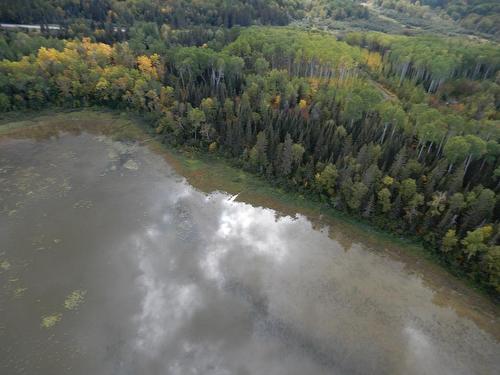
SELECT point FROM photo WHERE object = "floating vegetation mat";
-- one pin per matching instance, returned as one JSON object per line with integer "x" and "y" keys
{"x": 50, "y": 320}
{"x": 75, "y": 299}
{"x": 18, "y": 292}
{"x": 131, "y": 165}
{"x": 4, "y": 265}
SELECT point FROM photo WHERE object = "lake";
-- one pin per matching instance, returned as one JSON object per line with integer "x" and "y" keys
{"x": 112, "y": 263}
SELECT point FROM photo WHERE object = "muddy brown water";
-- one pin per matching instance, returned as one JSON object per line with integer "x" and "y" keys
{"x": 111, "y": 263}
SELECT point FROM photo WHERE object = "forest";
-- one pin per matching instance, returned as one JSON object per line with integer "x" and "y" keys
{"x": 177, "y": 13}
{"x": 474, "y": 15}
{"x": 401, "y": 131}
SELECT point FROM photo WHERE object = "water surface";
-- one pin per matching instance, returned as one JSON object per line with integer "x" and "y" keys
{"x": 111, "y": 263}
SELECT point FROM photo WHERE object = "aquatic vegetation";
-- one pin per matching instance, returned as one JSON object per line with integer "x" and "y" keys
{"x": 18, "y": 292}
{"x": 113, "y": 155}
{"x": 131, "y": 165}
{"x": 83, "y": 204}
{"x": 49, "y": 321}
{"x": 5, "y": 265}
{"x": 75, "y": 299}
{"x": 65, "y": 187}
{"x": 39, "y": 241}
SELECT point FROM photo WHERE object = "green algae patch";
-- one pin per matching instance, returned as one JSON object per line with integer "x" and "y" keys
{"x": 49, "y": 321}
{"x": 131, "y": 165}
{"x": 5, "y": 265}
{"x": 83, "y": 204}
{"x": 19, "y": 292}
{"x": 75, "y": 299}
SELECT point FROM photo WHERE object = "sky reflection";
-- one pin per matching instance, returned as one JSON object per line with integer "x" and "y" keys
{"x": 241, "y": 278}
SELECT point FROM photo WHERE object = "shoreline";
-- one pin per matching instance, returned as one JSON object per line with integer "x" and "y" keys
{"x": 213, "y": 172}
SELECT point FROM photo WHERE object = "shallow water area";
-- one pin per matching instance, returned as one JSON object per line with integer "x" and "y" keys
{"x": 112, "y": 263}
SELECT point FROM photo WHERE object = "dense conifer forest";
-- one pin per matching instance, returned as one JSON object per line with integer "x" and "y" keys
{"x": 399, "y": 130}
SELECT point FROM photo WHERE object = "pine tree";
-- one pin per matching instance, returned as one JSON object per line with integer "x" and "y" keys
{"x": 286, "y": 156}
{"x": 384, "y": 199}
{"x": 369, "y": 207}
{"x": 480, "y": 210}
{"x": 399, "y": 163}
{"x": 371, "y": 175}
{"x": 449, "y": 241}
{"x": 456, "y": 182}
{"x": 456, "y": 204}
{"x": 258, "y": 154}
